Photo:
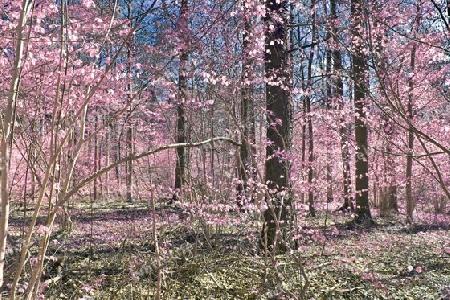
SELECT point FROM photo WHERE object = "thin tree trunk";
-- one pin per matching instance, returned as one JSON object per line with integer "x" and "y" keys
{"x": 328, "y": 104}
{"x": 246, "y": 168}
{"x": 312, "y": 210}
{"x": 7, "y": 132}
{"x": 108, "y": 158}
{"x": 410, "y": 203}
{"x": 129, "y": 126}
{"x": 129, "y": 164}
{"x": 181, "y": 117}
{"x": 95, "y": 159}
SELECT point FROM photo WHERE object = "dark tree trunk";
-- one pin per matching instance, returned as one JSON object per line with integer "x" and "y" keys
{"x": 358, "y": 74}
{"x": 96, "y": 158}
{"x": 129, "y": 164}
{"x": 312, "y": 210}
{"x": 129, "y": 125}
{"x": 410, "y": 205}
{"x": 328, "y": 104}
{"x": 181, "y": 116}
{"x": 278, "y": 128}
{"x": 246, "y": 168}
{"x": 339, "y": 96}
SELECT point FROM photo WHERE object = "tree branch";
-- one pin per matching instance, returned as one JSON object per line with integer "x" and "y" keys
{"x": 66, "y": 195}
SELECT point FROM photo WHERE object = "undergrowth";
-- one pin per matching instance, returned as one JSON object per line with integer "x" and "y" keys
{"x": 106, "y": 259}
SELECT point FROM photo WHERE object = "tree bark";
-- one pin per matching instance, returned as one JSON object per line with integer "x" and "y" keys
{"x": 129, "y": 124}
{"x": 180, "y": 164}
{"x": 246, "y": 168}
{"x": 339, "y": 96}
{"x": 312, "y": 210}
{"x": 329, "y": 104}
{"x": 279, "y": 116}
{"x": 361, "y": 134}
{"x": 410, "y": 203}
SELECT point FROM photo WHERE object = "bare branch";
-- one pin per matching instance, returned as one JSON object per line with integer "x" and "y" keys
{"x": 65, "y": 196}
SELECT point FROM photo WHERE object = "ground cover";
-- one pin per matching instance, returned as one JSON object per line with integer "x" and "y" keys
{"x": 111, "y": 254}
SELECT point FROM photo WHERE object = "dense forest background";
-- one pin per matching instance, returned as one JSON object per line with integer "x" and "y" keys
{"x": 148, "y": 146}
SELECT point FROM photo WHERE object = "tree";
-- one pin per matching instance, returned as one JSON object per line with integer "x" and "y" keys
{"x": 180, "y": 163}
{"x": 308, "y": 85}
{"x": 246, "y": 168}
{"x": 278, "y": 132}
{"x": 338, "y": 94}
{"x": 7, "y": 133}
{"x": 410, "y": 203}
{"x": 359, "y": 66}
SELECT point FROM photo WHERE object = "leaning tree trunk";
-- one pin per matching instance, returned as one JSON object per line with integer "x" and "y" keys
{"x": 358, "y": 74}
{"x": 279, "y": 115}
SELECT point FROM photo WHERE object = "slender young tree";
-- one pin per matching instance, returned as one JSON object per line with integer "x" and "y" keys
{"x": 359, "y": 66}
{"x": 180, "y": 164}
{"x": 8, "y": 130}
{"x": 312, "y": 209}
{"x": 279, "y": 126}
{"x": 129, "y": 124}
{"x": 410, "y": 203}
{"x": 329, "y": 104}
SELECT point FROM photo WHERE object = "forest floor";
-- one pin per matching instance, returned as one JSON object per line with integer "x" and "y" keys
{"x": 111, "y": 254}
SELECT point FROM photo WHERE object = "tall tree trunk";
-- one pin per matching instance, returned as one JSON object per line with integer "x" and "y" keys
{"x": 328, "y": 104}
{"x": 246, "y": 166}
{"x": 279, "y": 118}
{"x": 410, "y": 203}
{"x": 129, "y": 125}
{"x": 339, "y": 96}
{"x": 181, "y": 117}
{"x": 312, "y": 210}
{"x": 96, "y": 158}
{"x": 304, "y": 136}
{"x": 358, "y": 74}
